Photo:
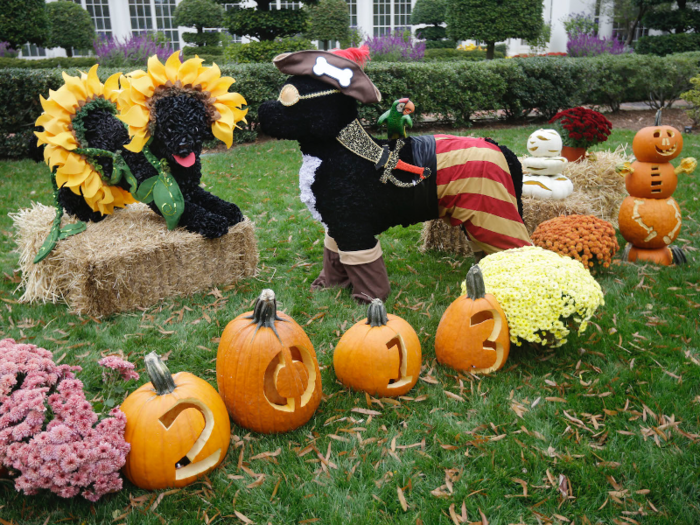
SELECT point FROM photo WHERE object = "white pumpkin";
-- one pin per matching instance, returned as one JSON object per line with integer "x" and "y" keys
{"x": 544, "y": 165}
{"x": 556, "y": 188}
{"x": 544, "y": 143}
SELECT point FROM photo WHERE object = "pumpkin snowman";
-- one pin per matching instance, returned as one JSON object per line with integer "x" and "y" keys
{"x": 650, "y": 218}
{"x": 542, "y": 176}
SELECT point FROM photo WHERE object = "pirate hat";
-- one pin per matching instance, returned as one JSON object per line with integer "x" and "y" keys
{"x": 341, "y": 73}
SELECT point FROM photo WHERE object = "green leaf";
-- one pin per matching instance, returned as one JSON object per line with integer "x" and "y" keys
{"x": 110, "y": 403}
{"x": 72, "y": 229}
{"x": 49, "y": 244}
{"x": 169, "y": 199}
{"x": 144, "y": 193}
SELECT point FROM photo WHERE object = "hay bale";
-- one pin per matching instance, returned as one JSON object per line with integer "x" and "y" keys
{"x": 127, "y": 261}
{"x": 598, "y": 191}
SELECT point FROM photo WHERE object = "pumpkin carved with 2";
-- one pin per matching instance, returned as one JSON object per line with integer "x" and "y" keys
{"x": 177, "y": 426}
{"x": 267, "y": 371}
{"x": 543, "y": 178}
{"x": 473, "y": 333}
{"x": 650, "y": 219}
{"x": 380, "y": 355}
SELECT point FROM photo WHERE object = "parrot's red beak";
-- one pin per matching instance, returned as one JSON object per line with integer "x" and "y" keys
{"x": 409, "y": 108}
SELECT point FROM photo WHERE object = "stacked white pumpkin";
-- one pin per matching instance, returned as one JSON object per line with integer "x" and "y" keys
{"x": 542, "y": 172}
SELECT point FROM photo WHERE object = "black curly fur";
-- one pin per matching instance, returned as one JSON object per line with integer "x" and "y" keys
{"x": 181, "y": 127}
{"x": 352, "y": 201}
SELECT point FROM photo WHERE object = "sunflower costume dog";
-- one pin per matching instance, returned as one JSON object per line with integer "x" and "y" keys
{"x": 138, "y": 137}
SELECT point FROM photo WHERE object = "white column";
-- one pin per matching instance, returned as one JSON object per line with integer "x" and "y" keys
{"x": 365, "y": 20}
{"x": 120, "y": 18}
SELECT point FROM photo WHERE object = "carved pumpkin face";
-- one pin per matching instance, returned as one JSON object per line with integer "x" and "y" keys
{"x": 473, "y": 333}
{"x": 177, "y": 427}
{"x": 649, "y": 223}
{"x": 651, "y": 180}
{"x": 267, "y": 371}
{"x": 544, "y": 143}
{"x": 657, "y": 144}
{"x": 380, "y": 355}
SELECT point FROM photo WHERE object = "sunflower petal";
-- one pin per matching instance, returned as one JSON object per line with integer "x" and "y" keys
{"x": 207, "y": 75}
{"x": 137, "y": 117}
{"x": 187, "y": 73}
{"x": 74, "y": 165}
{"x": 143, "y": 85}
{"x": 232, "y": 99}
{"x": 221, "y": 87}
{"x": 157, "y": 71}
{"x": 226, "y": 114}
{"x": 94, "y": 86}
{"x": 92, "y": 185}
{"x": 223, "y": 132}
{"x": 172, "y": 65}
{"x": 65, "y": 140}
{"x": 137, "y": 143}
{"x": 75, "y": 85}
{"x": 111, "y": 87}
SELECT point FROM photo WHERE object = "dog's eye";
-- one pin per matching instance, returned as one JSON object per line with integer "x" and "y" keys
{"x": 289, "y": 95}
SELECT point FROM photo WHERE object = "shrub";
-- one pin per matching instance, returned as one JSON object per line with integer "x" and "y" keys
{"x": 210, "y": 39}
{"x": 23, "y": 21}
{"x": 265, "y": 50}
{"x": 199, "y": 14}
{"x": 693, "y": 97}
{"x": 443, "y": 55}
{"x": 399, "y": 46}
{"x": 663, "y": 45}
{"x": 266, "y": 25}
{"x": 329, "y": 20}
{"x": 439, "y": 44}
{"x": 71, "y": 26}
{"x": 133, "y": 51}
{"x": 47, "y": 63}
{"x": 190, "y": 51}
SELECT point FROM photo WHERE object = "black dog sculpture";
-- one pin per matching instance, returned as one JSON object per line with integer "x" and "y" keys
{"x": 346, "y": 189}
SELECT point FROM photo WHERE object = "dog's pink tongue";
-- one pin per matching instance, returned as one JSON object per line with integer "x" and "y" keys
{"x": 185, "y": 161}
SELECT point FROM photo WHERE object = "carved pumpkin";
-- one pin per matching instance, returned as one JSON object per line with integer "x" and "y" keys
{"x": 544, "y": 143}
{"x": 657, "y": 143}
{"x": 662, "y": 256}
{"x": 267, "y": 371}
{"x": 649, "y": 223}
{"x": 177, "y": 426}
{"x": 380, "y": 355}
{"x": 650, "y": 180}
{"x": 473, "y": 333}
{"x": 556, "y": 188}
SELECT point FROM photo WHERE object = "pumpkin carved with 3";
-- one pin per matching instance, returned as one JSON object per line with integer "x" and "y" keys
{"x": 177, "y": 426}
{"x": 267, "y": 371}
{"x": 473, "y": 333}
{"x": 380, "y": 355}
{"x": 650, "y": 219}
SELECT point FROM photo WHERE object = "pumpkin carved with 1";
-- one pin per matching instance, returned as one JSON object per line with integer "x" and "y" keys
{"x": 267, "y": 371}
{"x": 650, "y": 219}
{"x": 473, "y": 333}
{"x": 177, "y": 426}
{"x": 380, "y": 355}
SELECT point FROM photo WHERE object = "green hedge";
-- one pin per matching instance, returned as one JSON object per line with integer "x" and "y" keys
{"x": 47, "y": 63}
{"x": 663, "y": 45}
{"x": 264, "y": 51}
{"x": 190, "y": 51}
{"x": 452, "y": 91}
{"x": 443, "y": 54}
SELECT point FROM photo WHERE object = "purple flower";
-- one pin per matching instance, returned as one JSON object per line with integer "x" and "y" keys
{"x": 399, "y": 46}
{"x": 133, "y": 51}
{"x": 585, "y": 45}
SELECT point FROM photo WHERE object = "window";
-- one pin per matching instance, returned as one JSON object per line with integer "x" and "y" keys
{"x": 620, "y": 32}
{"x": 402, "y": 13}
{"x": 286, "y": 4}
{"x": 352, "y": 7}
{"x": 141, "y": 16}
{"x": 32, "y": 50}
{"x": 382, "y": 17}
{"x": 164, "y": 21}
{"x": 99, "y": 12}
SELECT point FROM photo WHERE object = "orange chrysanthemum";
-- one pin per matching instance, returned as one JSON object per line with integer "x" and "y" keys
{"x": 72, "y": 170}
{"x": 139, "y": 88}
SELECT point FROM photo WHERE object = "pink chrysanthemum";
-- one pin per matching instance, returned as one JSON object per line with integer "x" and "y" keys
{"x": 125, "y": 368}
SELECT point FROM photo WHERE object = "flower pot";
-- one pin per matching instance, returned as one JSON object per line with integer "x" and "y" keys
{"x": 573, "y": 154}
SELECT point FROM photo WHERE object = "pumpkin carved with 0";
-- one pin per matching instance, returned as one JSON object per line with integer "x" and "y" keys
{"x": 177, "y": 427}
{"x": 473, "y": 333}
{"x": 380, "y": 355}
{"x": 267, "y": 371}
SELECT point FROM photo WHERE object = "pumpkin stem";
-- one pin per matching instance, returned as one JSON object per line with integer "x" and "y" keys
{"x": 159, "y": 374}
{"x": 657, "y": 120}
{"x": 476, "y": 289}
{"x": 265, "y": 311}
{"x": 376, "y": 313}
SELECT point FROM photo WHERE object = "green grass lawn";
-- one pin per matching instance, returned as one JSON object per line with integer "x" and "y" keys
{"x": 604, "y": 429}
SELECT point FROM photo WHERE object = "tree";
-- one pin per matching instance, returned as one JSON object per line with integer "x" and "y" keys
{"x": 431, "y": 13}
{"x": 262, "y": 23}
{"x": 199, "y": 14}
{"x": 328, "y": 21}
{"x": 676, "y": 17}
{"x": 494, "y": 21}
{"x": 23, "y": 21}
{"x": 71, "y": 26}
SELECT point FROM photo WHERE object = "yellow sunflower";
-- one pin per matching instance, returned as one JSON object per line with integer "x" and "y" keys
{"x": 72, "y": 170}
{"x": 206, "y": 83}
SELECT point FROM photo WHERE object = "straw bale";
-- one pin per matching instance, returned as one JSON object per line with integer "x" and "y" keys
{"x": 598, "y": 191}
{"x": 127, "y": 261}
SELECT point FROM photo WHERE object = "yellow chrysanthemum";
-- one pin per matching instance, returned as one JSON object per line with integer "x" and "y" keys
{"x": 139, "y": 87}
{"x": 72, "y": 169}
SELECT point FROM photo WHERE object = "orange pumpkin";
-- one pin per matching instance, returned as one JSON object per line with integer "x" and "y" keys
{"x": 649, "y": 223}
{"x": 473, "y": 333}
{"x": 657, "y": 143}
{"x": 662, "y": 256}
{"x": 651, "y": 180}
{"x": 380, "y": 355}
{"x": 267, "y": 371}
{"x": 177, "y": 427}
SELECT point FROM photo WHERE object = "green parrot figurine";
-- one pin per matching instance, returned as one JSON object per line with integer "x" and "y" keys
{"x": 397, "y": 118}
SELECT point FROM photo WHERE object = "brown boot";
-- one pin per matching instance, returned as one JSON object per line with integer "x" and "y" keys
{"x": 369, "y": 280}
{"x": 333, "y": 274}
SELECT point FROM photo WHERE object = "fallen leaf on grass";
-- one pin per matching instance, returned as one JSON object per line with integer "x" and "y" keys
{"x": 264, "y": 455}
{"x": 453, "y": 396}
{"x": 555, "y": 399}
{"x": 402, "y": 499}
{"x": 366, "y": 411}
{"x": 243, "y": 518}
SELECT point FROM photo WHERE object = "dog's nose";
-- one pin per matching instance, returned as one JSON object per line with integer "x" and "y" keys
{"x": 185, "y": 146}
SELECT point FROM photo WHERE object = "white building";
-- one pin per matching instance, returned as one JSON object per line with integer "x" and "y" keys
{"x": 121, "y": 18}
